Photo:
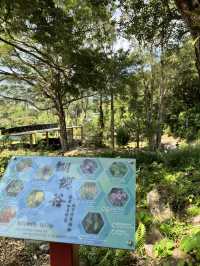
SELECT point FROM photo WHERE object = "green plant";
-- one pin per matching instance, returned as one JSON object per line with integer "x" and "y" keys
{"x": 193, "y": 210}
{"x": 104, "y": 257}
{"x": 145, "y": 217}
{"x": 122, "y": 136}
{"x": 173, "y": 229}
{"x": 182, "y": 158}
{"x": 140, "y": 236}
{"x": 191, "y": 244}
{"x": 164, "y": 248}
{"x": 3, "y": 164}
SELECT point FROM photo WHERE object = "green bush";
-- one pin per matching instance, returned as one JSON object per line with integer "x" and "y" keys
{"x": 3, "y": 164}
{"x": 173, "y": 229}
{"x": 122, "y": 136}
{"x": 191, "y": 244}
{"x": 193, "y": 210}
{"x": 164, "y": 248}
{"x": 104, "y": 256}
{"x": 184, "y": 157}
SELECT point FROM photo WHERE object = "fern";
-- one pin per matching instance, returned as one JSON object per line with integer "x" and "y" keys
{"x": 140, "y": 236}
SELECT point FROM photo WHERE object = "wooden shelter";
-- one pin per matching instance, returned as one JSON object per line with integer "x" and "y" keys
{"x": 75, "y": 133}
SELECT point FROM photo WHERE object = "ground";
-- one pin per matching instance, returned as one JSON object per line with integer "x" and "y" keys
{"x": 22, "y": 253}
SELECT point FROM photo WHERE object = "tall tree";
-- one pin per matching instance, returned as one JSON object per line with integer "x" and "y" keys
{"x": 190, "y": 11}
{"x": 156, "y": 26}
{"x": 172, "y": 19}
{"x": 50, "y": 56}
{"x": 116, "y": 66}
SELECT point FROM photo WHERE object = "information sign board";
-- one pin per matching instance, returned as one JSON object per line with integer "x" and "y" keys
{"x": 89, "y": 201}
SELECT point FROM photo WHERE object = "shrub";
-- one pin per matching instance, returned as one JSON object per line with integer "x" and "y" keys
{"x": 191, "y": 244}
{"x": 164, "y": 248}
{"x": 3, "y": 164}
{"x": 187, "y": 156}
{"x": 104, "y": 257}
{"x": 122, "y": 136}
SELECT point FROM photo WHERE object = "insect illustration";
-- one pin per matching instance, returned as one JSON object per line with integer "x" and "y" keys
{"x": 57, "y": 200}
{"x": 66, "y": 182}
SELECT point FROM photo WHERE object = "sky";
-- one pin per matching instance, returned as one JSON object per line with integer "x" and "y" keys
{"x": 121, "y": 42}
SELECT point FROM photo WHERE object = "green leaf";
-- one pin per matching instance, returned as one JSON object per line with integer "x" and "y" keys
{"x": 140, "y": 236}
{"x": 164, "y": 248}
{"x": 190, "y": 243}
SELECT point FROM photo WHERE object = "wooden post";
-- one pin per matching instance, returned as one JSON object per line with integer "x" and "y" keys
{"x": 72, "y": 134}
{"x": 34, "y": 138}
{"x": 31, "y": 140}
{"x": 47, "y": 138}
{"x": 81, "y": 134}
{"x": 63, "y": 255}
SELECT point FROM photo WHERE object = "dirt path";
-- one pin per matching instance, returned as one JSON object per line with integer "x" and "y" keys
{"x": 21, "y": 253}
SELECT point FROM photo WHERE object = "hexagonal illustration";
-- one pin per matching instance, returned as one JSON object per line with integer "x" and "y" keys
{"x": 44, "y": 173}
{"x": 14, "y": 188}
{"x": 93, "y": 223}
{"x": 88, "y": 191}
{"x": 89, "y": 166}
{"x": 63, "y": 166}
{"x": 7, "y": 214}
{"x": 118, "y": 169}
{"x": 118, "y": 197}
{"x": 35, "y": 198}
{"x": 24, "y": 164}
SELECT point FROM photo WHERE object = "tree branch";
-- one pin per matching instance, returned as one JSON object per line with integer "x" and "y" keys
{"x": 30, "y": 65}
{"x": 30, "y": 53}
{"x": 18, "y": 77}
{"x": 25, "y": 100}
{"x": 50, "y": 59}
{"x": 65, "y": 104}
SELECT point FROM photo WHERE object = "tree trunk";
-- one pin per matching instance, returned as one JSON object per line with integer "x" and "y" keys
{"x": 190, "y": 13}
{"x": 159, "y": 129}
{"x": 137, "y": 139}
{"x": 138, "y": 131}
{"x": 197, "y": 52}
{"x": 101, "y": 120}
{"x": 148, "y": 101}
{"x": 149, "y": 118}
{"x": 112, "y": 120}
{"x": 63, "y": 130}
{"x": 62, "y": 123}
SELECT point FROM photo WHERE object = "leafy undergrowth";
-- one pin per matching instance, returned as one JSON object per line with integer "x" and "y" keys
{"x": 176, "y": 175}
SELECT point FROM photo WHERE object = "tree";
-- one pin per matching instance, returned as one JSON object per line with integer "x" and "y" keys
{"x": 136, "y": 118}
{"x": 116, "y": 70}
{"x": 152, "y": 21}
{"x": 173, "y": 19}
{"x": 190, "y": 14}
{"x": 42, "y": 84}
{"x": 157, "y": 27}
{"x": 183, "y": 103}
{"x": 49, "y": 57}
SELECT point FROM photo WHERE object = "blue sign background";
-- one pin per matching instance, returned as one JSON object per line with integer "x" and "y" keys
{"x": 88, "y": 201}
